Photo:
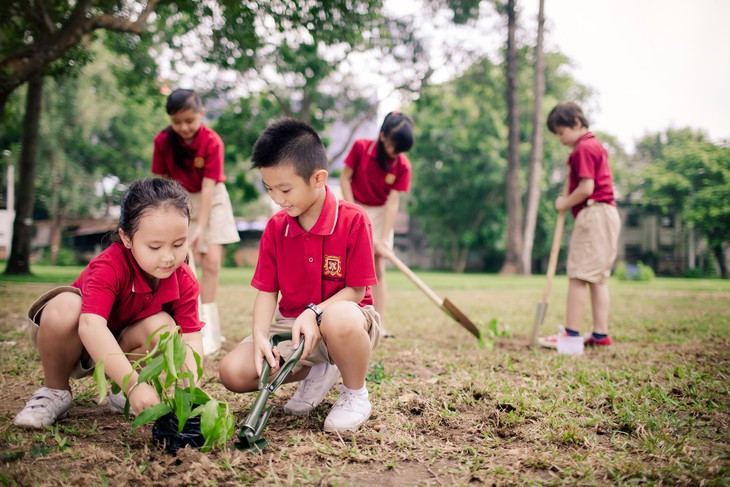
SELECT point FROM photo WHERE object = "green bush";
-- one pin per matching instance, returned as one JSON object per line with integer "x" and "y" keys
{"x": 65, "y": 257}
{"x": 630, "y": 272}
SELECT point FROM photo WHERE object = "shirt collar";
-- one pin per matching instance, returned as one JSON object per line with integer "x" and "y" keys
{"x": 326, "y": 222}
{"x": 583, "y": 137}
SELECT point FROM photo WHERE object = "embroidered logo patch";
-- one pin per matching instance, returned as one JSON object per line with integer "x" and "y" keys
{"x": 332, "y": 266}
{"x": 199, "y": 162}
{"x": 389, "y": 178}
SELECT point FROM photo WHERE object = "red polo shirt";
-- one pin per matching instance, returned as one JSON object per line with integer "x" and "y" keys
{"x": 589, "y": 160}
{"x": 370, "y": 184}
{"x": 205, "y": 161}
{"x": 309, "y": 267}
{"x": 114, "y": 287}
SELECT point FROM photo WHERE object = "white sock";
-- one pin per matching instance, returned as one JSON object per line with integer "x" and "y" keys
{"x": 363, "y": 391}
{"x": 316, "y": 371}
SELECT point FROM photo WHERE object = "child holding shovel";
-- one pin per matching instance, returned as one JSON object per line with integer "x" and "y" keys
{"x": 594, "y": 242}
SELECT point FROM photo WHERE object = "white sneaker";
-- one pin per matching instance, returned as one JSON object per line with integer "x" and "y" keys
{"x": 311, "y": 392}
{"x": 117, "y": 402}
{"x": 45, "y": 407}
{"x": 349, "y": 412}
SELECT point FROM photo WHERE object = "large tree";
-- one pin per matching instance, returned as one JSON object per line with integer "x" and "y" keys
{"x": 50, "y": 38}
{"x": 512, "y": 176}
{"x": 532, "y": 199}
{"x": 689, "y": 176}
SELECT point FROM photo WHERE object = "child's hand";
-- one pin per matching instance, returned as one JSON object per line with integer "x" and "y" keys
{"x": 195, "y": 238}
{"x": 561, "y": 203}
{"x": 305, "y": 324}
{"x": 264, "y": 351}
{"x": 142, "y": 396}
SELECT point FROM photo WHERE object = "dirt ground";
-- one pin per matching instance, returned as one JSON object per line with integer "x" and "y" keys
{"x": 446, "y": 411}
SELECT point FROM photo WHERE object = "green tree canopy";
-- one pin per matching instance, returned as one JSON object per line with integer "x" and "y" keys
{"x": 689, "y": 176}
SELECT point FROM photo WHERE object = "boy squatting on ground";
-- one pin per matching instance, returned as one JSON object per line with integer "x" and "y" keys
{"x": 594, "y": 242}
{"x": 318, "y": 253}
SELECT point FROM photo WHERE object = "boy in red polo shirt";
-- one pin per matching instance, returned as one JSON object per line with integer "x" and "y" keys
{"x": 134, "y": 287}
{"x": 317, "y": 252}
{"x": 594, "y": 242}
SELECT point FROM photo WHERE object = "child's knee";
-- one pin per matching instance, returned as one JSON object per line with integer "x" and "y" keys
{"x": 62, "y": 313}
{"x": 236, "y": 373}
{"x": 342, "y": 318}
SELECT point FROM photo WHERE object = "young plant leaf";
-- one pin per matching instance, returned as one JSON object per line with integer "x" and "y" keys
{"x": 152, "y": 369}
{"x": 170, "y": 368}
{"x": 182, "y": 408}
{"x": 151, "y": 414}
{"x": 100, "y": 378}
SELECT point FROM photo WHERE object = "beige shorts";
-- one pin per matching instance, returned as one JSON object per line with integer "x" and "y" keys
{"x": 320, "y": 354}
{"x": 594, "y": 243}
{"x": 85, "y": 366}
{"x": 377, "y": 220}
{"x": 221, "y": 224}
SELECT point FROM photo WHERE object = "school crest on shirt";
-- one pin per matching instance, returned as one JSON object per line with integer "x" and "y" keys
{"x": 199, "y": 162}
{"x": 389, "y": 178}
{"x": 333, "y": 266}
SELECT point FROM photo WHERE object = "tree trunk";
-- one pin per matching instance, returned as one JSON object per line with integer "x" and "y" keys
{"x": 533, "y": 185}
{"x": 19, "y": 262}
{"x": 719, "y": 253}
{"x": 514, "y": 198}
{"x": 56, "y": 208}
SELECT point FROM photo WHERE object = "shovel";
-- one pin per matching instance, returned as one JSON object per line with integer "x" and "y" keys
{"x": 446, "y": 306}
{"x": 552, "y": 264}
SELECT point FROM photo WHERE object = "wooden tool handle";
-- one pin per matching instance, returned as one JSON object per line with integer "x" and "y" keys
{"x": 554, "y": 251}
{"x": 388, "y": 254}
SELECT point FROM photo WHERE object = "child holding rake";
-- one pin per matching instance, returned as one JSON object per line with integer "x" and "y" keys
{"x": 376, "y": 172}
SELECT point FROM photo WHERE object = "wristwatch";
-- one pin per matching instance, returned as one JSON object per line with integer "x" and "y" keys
{"x": 317, "y": 311}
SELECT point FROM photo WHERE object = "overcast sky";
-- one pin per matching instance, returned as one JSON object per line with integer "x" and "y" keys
{"x": 652, "y": 64}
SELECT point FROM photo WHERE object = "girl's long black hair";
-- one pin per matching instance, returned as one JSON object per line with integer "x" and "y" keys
{"x": 181, "y": 99}
{"x": 397, "y": 127}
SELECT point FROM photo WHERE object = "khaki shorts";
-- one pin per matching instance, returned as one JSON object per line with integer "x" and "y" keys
{"x": 377, "y": 220}
{"x": 594, "y": 243}
{"x": 85, "y": 366}
{"x": 320, "y": 354}
{"x": 221, "y": 224}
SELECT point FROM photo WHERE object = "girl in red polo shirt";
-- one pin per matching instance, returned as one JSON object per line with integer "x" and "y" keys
{"x": 134, "y": 287}
{"x": 192, "y": 154}
{"x": 375, "y": 173}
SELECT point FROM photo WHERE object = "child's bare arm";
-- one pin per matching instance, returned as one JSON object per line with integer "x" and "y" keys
{"x": 346, "y": 184}
{"x": 581, "y": 193}
{"x": 102, "y": 346}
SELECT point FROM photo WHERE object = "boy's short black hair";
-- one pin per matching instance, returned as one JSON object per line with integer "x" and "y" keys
{"x": 290, "y": 141}
{"x": 564, "y": 115}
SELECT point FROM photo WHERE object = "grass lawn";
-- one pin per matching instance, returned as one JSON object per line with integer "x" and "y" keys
{"x": 654, "y": 408}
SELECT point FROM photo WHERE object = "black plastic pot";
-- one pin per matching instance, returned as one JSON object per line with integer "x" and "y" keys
{"x": 164, "y": 432}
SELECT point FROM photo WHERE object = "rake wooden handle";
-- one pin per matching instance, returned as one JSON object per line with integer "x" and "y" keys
{"x": 388, "y": 254}
{"x": 554, "y": 251}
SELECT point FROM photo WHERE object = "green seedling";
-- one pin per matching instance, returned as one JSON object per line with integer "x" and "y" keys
{"x": 162, "y": 368}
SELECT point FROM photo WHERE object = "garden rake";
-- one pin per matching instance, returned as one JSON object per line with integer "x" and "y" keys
{"x": 446, "y": 306}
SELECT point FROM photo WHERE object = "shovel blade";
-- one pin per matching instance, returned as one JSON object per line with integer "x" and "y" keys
{"x": 460, "y": 317}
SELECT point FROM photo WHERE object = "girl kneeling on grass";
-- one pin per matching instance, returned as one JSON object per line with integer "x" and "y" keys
{"x": 134, "y": 287}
